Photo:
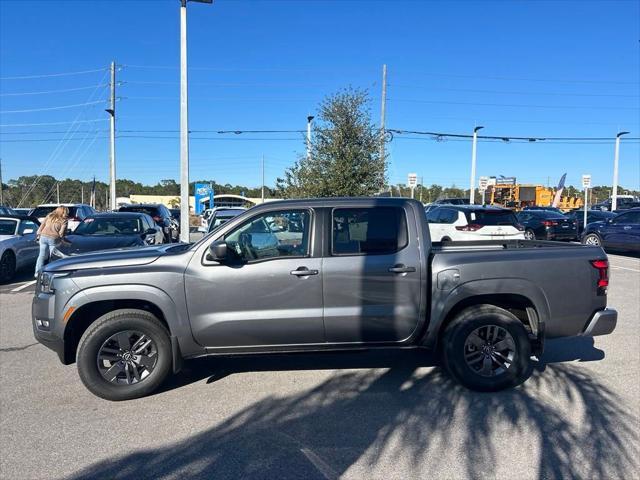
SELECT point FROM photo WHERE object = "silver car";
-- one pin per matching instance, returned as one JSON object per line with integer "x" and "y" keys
{"x": 18, "y": 245}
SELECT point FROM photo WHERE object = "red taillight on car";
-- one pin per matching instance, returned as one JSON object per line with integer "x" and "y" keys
{"x": 603, "y": 274}
{"x": 472, "y": 227}
{"x": 549, "y": 223}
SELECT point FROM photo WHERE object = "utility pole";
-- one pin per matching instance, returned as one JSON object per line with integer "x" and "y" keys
{"x": 1, "y": 189}
{"x": 472, "y": 186}
{"x": 112, "y": 136}
{"x": 82, "y": 194}
{"x": 58, "y": 193}
{"x": 263, "y": 178}
{"x": 309, "y": 120}
{"x": 106, "y": 199}
{"x": 616, "y": 157}
{"x": 184, "y": 128}
{"x": 383, "y": 108}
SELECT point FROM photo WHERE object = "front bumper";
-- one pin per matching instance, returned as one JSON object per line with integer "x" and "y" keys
{"x": 43, "y": 310}
{"x": 602, "y": 323}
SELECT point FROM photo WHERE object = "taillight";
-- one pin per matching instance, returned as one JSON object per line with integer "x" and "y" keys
{"x": 472, "y": 227}
{"x": 549, "y": 223}
{"x": 603, "y": 274}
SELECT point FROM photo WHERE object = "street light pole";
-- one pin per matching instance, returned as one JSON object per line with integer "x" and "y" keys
{"x": 614, "y": 191}
{"x": 309, "y": 120}
{"x": 473, "y": 166}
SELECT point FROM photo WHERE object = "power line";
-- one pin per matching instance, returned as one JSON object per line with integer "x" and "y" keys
{"x": 45, "y": 109}
{"x": 44, "y": 92}
{"x": 52, "y": 123}
{"x": 503, "y": 137}
{"x": 523, "y": 105}
{"x": 505, "y": 92}
{"x": 47, "y": 75}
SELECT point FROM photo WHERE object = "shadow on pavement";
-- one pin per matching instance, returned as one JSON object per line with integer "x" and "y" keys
{"x": 404, "y": 413}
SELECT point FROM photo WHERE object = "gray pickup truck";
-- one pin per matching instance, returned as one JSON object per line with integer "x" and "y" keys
{"x": 316, "y": 275}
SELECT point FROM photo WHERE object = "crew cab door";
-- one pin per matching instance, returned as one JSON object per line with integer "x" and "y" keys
{"x": 268, "y": 292}
{"x": 371, "y": 275}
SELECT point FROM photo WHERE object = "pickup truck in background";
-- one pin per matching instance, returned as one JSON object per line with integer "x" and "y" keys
{"x": 317, "y": 275}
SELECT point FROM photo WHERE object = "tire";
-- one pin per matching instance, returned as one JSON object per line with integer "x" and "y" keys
{"x": 592, "y": 239}
{"x": 445, "y": 239}
{"x": 7, "y": 266}
{"x": 136, "y": 375}
{"x": 529, "y": 234}
{"x": 464, "y": 359}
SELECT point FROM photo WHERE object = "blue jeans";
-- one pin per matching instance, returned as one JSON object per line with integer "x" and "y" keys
{"x": 47, "y": 245}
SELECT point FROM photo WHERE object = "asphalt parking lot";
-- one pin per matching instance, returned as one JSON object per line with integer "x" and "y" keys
{"x": 356, "y": 415}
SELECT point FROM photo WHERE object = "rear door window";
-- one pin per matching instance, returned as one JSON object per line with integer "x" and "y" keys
{"x": 368, "y": 231}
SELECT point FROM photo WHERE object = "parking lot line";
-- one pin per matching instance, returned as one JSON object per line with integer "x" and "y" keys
{"x": 23, "y": 286}
{"x": 625, "y": 268}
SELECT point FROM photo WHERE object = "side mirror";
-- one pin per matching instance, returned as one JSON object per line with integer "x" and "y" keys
{"x": 218, "y": 251}
{"x": 27, "y": 231}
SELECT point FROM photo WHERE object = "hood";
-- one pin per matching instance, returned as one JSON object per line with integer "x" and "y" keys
{"x": 6, "y": 237}
{"x": 74, "y": 244}
{"x": 110, "y": 258}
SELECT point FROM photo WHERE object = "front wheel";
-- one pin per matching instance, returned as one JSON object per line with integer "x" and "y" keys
{"x": 592, "y": 240}
{"x": 529, "y": 234}
{"x": 486, "y": 348}
{"x": 7, "y": 266}
{"x": 125, "y": 354}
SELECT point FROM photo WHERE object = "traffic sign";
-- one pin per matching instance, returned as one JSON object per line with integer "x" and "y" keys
{"x": 412, "y": 180}
{"x": 483, "y": 182}
{"x": 586, "y": 181}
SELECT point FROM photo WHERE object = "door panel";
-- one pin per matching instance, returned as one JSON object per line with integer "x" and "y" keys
{"x": 267, "y": 292}
{"x": 363, "y": 300}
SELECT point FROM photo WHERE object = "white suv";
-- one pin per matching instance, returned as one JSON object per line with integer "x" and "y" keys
{"x": 465, "y": 223}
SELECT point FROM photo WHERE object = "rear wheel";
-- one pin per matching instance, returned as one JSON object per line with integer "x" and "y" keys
{"x": 593, "y": 240}
{"x": 529, "y": 234}
{"x": 7, "y": 266}
{"x": 125, "y": 354}
{"x": 486, "y": 348}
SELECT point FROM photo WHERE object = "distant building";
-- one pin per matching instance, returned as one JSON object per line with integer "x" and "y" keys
{"x": 173, "y": 201}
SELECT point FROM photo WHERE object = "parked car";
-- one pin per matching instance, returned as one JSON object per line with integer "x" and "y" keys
{"x": 621, "y": 232}
{"x": 325, "y": 274}
{"x": 452, "y": 201}
{"x": 105, "y": 231}
{"x": 160, "y": 214}
{"x": 222, "y": 215}
{"x": 7, "y": 211}
{"x": 622, "y": 203}
{"x": 77, "y": 212}
{"x": 18, "y": 245}
{"x": 592, "y": 216}
{"x": 547, "y": 225}
{"x": 472, "y": 222}
{"x": 175, "y": 223}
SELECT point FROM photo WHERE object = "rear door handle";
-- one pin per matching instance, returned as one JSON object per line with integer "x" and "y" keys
{"x": 401, "y": 269}
{"x": 303, "y": 272}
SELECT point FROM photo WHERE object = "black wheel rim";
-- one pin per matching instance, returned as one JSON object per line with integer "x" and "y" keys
{"x": 6, "y": 267}
{"x": 127, "y": 357}
{"x": 489, "y": 350}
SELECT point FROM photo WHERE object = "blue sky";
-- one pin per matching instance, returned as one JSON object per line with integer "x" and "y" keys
{"x": 544, "y": 69}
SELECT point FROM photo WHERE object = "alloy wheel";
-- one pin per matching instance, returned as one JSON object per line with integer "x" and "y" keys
{"x": 127, "y": 357}
{"x": 529, "y": 235}
{"x": 489, "y": 350}
{"x": 592, "y": 240}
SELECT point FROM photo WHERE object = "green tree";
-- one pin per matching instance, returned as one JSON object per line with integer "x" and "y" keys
{"x": 344, "y": 156}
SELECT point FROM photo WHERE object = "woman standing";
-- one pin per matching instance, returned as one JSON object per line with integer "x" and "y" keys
{"x": 50, "y": 233}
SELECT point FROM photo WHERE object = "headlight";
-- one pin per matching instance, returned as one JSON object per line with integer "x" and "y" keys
{"x": 46, "y": 281}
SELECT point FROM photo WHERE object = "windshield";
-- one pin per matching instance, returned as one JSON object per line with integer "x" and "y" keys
{"x": 8, "y": 226}
{"x": 109, "y": 226}
{"x": 222, "y": 217}
{"x": 40, "y": 212}
{"x": 548, "y": 214}
{"x": 487, "y": 217}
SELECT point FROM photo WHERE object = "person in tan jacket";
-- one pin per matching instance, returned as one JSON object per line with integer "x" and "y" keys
{"x": 50, "y": 234}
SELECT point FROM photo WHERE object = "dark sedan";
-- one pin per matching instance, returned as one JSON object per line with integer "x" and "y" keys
{"x": 104, "y": 231}
{"x": 547, "y": 225}
{"x": 622, "y": 232}
{"x": 160, "y": 214}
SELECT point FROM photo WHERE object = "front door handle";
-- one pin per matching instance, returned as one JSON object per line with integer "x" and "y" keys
{"x": 628, "y": 227}
{"x": 303, "y": 272}
{"x": 401, "y": 269}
